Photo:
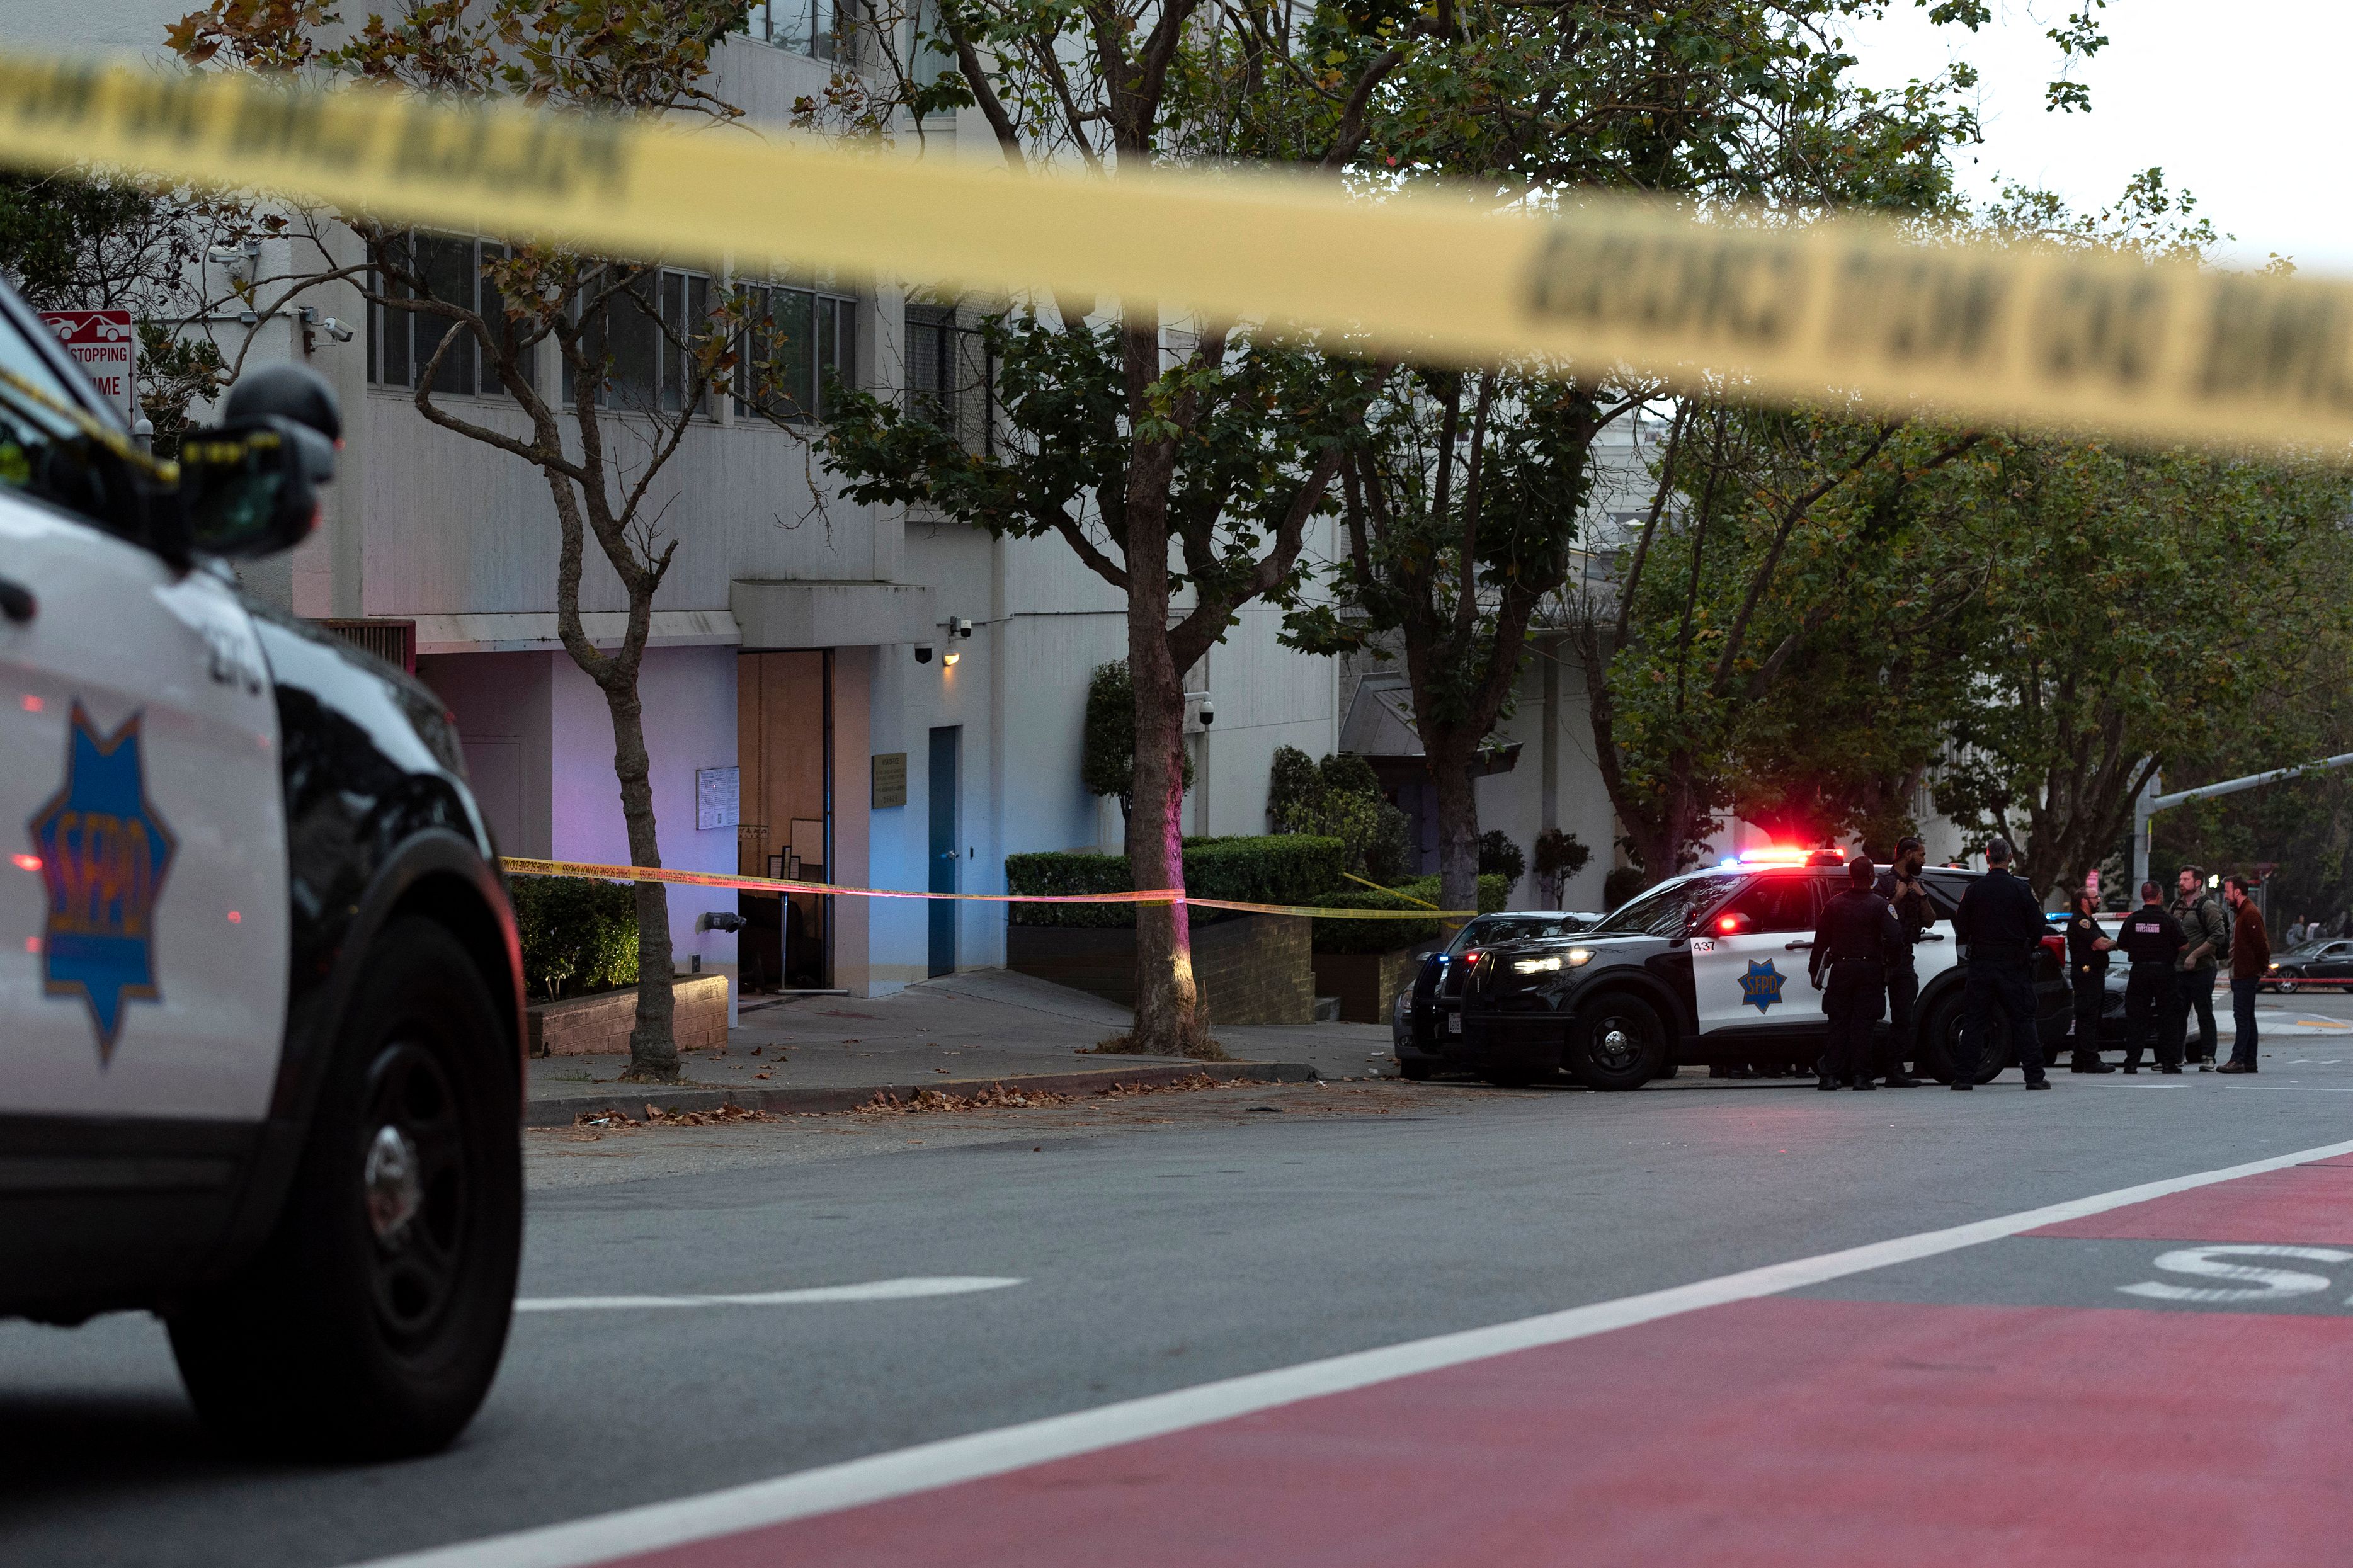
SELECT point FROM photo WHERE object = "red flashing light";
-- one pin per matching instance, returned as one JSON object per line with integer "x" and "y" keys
{"x": 26, "y": 862}
{"x": 1729, "y": 924}
{"x": 1773, "y": 855}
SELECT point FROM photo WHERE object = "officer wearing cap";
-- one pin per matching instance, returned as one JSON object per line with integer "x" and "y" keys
{"x": 1901, "y": 886}
{"x": 2153, "y": 940}
{"x": 1856, "y": 941}
{"x": 1998, "y": 925}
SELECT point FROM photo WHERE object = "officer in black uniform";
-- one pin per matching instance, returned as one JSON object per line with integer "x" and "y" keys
{"x": 2087, "y": 974}
{"x": 1900, "y": 885}
{"x": 2152, "y": 939}
{"x": 1856, "y": 941}
{"x": 1999, "y": 926}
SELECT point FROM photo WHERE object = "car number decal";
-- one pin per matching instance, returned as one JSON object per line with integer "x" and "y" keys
{"x": 1761, "y": 986}
{"x": 104, "y": 851}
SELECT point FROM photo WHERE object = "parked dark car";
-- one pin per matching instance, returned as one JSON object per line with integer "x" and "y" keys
{"x": 1431, "y": 1010}
{"x": 2316, "y": 965}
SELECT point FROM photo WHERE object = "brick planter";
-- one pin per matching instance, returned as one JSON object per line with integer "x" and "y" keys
{"x": 599, "y": 1025}
{"x": 1256, "y": 969}
{"x": 1365, "y": 983}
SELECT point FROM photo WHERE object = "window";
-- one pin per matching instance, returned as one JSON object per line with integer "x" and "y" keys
{"x": 644, "y": 335}
{"x": 951, "y": 376}
{"x": 401, "y": 343}
{"x": 808, "y": 27}
{"x": 1784, "y": 903}
{"x": 1666, "y": 910}
{"x": 797, "y": 337}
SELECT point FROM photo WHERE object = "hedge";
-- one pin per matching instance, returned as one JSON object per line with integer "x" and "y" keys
{"x": 579, "y": 935}
{"x": 1277, "y": 869}
{"x": 1387, "y": 936}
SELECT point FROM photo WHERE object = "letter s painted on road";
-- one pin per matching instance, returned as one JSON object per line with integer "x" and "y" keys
{"x": 2257, "y": 1284}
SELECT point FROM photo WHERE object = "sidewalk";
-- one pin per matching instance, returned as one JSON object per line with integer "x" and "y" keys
{"x": 958, "y": 1034}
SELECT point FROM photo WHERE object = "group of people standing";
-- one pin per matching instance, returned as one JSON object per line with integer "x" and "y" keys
{"x": 2176, "y": 953}
{"x": 1863, "y": 964}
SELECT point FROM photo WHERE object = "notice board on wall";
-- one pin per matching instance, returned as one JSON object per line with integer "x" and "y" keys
{"x": 718, "y": 798}
{"x": 890, "y": 779}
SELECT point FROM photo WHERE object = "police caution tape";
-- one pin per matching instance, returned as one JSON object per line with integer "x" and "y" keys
{"x": 522, "y": 867}
{"x": 2067, "y": 339}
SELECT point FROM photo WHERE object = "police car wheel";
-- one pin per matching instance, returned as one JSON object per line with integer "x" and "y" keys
{"x": 373, "y": 1320}
{"x": 1616, "y": 1043}
{"x": 1415, "y": 1069}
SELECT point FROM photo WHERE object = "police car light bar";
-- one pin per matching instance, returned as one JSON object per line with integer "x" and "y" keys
{"x": 1771, "y": 854}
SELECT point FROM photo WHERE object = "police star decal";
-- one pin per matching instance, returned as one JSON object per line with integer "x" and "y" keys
{"x": 1761, "y": 986}
{"x": 104, "y": 852}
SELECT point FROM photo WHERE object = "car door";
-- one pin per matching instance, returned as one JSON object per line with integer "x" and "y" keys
{"x": 1749, "y": 967}
{"x": 2332, "y": 967}
{"x": 143, "y": 906}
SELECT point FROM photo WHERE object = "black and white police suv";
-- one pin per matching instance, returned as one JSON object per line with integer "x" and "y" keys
{"x": 1429, "y": 1011}
{"x": 1706, "y": 968}
{"x": 260, "y": 1001}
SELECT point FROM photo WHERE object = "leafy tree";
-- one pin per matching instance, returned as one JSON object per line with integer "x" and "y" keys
{"x": 1499, "y": 856}
{"x": 1340, "y": 798}
{"x": 1559, "y": 855}
{"x": 1107, "y": 755}
{"x": 599, "y": 445}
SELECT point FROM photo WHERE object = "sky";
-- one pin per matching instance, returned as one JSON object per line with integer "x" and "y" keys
{"x": 2244, "y": 103}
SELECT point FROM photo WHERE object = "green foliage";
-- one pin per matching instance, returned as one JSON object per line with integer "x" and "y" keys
{"x": 1498, "y": 856}
{"x": 1340, "y": 798}
{"x": 1621, "y": 884}
{"x": 579, "y": 935}
{"x": 1387, "y": 936}
{"x": 1107, "y": 753}
{"x": 1559, "y": 856}
{"x": 1279, "y": 869}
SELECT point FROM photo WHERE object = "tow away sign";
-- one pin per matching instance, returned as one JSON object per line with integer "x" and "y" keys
{"x": 108, "y": 349}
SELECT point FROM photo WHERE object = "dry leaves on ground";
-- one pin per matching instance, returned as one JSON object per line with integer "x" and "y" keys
{"x": 612, "y": 1119}
{"x": 997, "y": 1096}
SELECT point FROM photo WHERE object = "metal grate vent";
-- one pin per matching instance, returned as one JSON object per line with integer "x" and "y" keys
{"x": 394, "y": 642}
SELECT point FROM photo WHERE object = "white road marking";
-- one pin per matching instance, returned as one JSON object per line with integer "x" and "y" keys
{"x": 654, "y": 1527}
{"x": 2261, "y": 1284}
{"x": 905, "y": 1289}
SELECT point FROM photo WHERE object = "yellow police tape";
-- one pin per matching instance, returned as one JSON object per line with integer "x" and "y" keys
{"x": 2081, "y": 340}
{"x": 516, "y": 866}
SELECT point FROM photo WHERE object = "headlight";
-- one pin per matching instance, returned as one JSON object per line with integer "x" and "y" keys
{"x": 1552, "y": 962}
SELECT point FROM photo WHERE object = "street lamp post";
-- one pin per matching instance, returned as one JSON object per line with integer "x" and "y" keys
{"x": 2150, "y": 803}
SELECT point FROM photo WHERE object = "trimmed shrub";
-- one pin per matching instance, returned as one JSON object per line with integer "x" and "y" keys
{"x": 1621, "y": 884}
{"x": 579, "y": 935}
{"x": 1107, "y": 749}
{"x": 1560, "y": 856}
{"x": 1499, "y": 855}
{"x": 1387, "y": 936}
{"x": 1340, "y": 798}
{"x": 1279, "y": 868}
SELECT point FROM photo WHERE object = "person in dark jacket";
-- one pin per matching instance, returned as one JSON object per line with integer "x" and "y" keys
{"x": 2251, "y": 959}
{"x": 2207, "y": 926}
{"x": 1999, "y": 926}
{"x": 2087, "y": 976}
{"x": 1901, "y": 886}
{"x": 1856, "y": 941}
{"x": 2153, "y": 940}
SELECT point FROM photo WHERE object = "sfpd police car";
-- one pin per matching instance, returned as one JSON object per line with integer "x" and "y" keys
{"x": 260, "y": 988}
{"x": 1709, "y": 968}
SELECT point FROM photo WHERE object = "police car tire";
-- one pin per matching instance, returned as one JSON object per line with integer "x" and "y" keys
{"x": 1631, "y": 1014}
{"x": 1419, "y": 1071}
{"x": 1941, "y": 1031}
{"x": 304, "y": 1351}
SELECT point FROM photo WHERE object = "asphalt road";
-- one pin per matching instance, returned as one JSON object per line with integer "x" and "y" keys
{"x": 1158, "y": 1245}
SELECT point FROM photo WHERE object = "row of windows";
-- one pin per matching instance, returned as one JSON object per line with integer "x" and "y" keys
{"x": 795, "y": 336}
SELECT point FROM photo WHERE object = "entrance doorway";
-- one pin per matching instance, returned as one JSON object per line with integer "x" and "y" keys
{"x": 947, "y": 768}
{"x": 784, "y": 747}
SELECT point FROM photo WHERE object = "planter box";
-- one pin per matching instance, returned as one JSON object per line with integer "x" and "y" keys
{"x": 1256, "y": 969}
{"x": 599, "y": 1025}
{"x": 1367, "y": 982}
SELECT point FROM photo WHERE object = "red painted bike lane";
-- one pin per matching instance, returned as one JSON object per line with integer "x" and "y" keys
{"x": 1780, "y": 1430}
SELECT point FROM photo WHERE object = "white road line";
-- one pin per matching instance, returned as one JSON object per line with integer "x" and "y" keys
{"x": 928, "y": 1466}
{"x": 905, "y": 1289}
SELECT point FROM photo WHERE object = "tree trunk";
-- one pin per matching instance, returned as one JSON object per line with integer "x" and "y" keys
{"x": 1458, "y": 824}
{"x": 653, "y": 1048}
{"x": 1169, "y": 1019}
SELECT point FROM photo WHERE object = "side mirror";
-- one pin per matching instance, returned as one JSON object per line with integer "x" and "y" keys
{"x": 251, "y": 486}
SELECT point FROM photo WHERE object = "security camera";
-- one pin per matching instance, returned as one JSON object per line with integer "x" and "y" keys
{"x": 718, "y": 919}
{"x": 922, "y": 653}
{"x": 962, "y": 625}
{"x": 337, "y": 330}
{"x": 1207, "y": 712}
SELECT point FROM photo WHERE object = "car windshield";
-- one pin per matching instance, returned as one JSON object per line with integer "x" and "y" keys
{"x": 1510, "y": 928}
{"x": 1666, "y": 910}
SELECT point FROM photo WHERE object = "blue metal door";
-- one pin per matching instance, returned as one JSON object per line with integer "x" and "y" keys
{"x": 947, "y": 743}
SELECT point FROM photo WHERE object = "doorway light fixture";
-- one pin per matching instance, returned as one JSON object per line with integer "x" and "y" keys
{"x": 950, "y": 657}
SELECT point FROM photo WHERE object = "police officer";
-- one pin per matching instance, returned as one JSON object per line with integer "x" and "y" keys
{"x": 1901, "y": 886}
{"x": 1998, "y": 925}
{"x": 2087, "y": 973}
{"x": 1856, "y": 941}
{"x": 2152, "y": 939}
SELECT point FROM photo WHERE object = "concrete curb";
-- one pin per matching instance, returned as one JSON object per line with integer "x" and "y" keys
{"x": 558, "y": 1110}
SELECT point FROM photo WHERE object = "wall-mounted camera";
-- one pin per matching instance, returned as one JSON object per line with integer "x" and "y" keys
{"x": 719, "y": 920}
{"x": 1201, "y": 711}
